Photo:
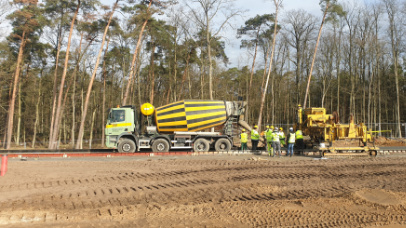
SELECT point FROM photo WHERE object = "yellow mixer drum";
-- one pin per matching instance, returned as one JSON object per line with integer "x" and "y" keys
{"x": 190, "y": 115}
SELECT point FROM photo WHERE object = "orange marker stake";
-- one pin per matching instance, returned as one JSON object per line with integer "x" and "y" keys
{"x": 3, "y": 169}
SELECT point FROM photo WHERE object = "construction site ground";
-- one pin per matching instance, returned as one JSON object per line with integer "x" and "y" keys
{"x": 204, "y": 191}
{"x": 379, "y": 141}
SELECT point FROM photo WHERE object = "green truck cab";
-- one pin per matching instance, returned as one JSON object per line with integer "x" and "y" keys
{"x": 121, "y": 128}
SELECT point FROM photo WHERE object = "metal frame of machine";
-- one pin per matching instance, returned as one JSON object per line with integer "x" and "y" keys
{"x": 322, "y": 127}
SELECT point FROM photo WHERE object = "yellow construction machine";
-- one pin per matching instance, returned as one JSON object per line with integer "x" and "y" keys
{"x": 323, "y": 129}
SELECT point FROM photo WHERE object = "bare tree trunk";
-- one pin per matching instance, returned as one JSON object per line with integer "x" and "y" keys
{"x": 169, "y": 90}
{"x": 91, "y": 129}
{"x": 73, "y": 98}
{"x": 59, "y": 106}
{"x": 51, "y": 129}
{"x": 314, "y": 56}
{"x": 135, "y": 56}
{"x": 24, "y": 139}
{"x": 202, "y": 81}
{"x": 13, "y": 95}
{"x": 152, "y": 73}
{"x": 175, "y": 72}
{"x": 104, "y": 92}
{"x": 209, "y": 55}
{"x": 379, "y": 104}
{"x": 139, "y": 81}
{"x": 18, "y": 116}
{"x": 338, "y": 60}
{"x": 252, "y": 75}
{"x": 36, "y": 115}
{"x": 265, "y": 68}
{"x": 277, "y": 4}
{"x": 181, "y": 93}
{"x": 391, "y": 11}
{"x": 190, "y": 85}
{"x": 89, "y": 88}
{"x": 397, "y": 98}
{"x": 370, "y": 97}
{"x": 64, "y": 131}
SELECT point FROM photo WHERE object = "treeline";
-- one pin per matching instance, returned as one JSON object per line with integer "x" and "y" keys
{"x": 66, "y": 62}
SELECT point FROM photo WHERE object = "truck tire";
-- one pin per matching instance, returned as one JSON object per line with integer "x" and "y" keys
{"x": 126, "y": 146}
{"x": 160, "y": 145}
{"x": 222, "y": 145}
{"x": 201, "y": 145}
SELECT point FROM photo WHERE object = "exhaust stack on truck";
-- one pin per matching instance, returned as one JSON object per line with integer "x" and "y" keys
{"x": 179, "y": 125}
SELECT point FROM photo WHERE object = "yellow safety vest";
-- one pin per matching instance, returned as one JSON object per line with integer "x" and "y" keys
{"x": 292, "y": 137}
{"x": 281, "y": 135}
{"x": 244, "y": 137}
{"x": 299, "y": 134}
{"x": 254, "y": 135}
{"x": 268, "y": 136}
{"x": 275, "y": 137}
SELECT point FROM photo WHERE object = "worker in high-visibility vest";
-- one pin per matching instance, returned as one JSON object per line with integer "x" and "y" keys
{"x": 244, "y": 140}
{"x": 254, "y": 138}
{"x": 282, "y": 137}
{"x": 291, "y": 142}
{"x": 265, "y": 131}
{"x": 299, "y": 140}
{"x": 271, "y": 130}
{"x": 264, "y": 135}
{"x": 276, "y": 144}
{"x": 268, "y": 137}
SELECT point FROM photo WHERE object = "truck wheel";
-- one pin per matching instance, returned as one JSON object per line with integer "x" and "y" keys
{"x": 222, "y": 145}
{"x": 201, "y": 145}
{"x": 160, "y": 145}
{"x": 126, "y": 146}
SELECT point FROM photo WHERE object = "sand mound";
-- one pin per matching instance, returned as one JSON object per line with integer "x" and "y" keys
{"x": 378, "y": 196}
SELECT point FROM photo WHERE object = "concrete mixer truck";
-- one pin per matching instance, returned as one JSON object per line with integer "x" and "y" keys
{"x": 185, "y": 124}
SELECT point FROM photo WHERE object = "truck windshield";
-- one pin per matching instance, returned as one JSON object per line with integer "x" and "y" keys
{"x": 117, "y": 116}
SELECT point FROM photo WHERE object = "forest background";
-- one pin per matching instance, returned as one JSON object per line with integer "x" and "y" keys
{"x": 64, "y": 63}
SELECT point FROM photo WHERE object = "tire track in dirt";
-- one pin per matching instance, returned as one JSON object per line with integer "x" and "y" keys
{"x": 231, "y": 178}
{"x": 192, "y": 173}
{"x": 120, "y": 195}
{"x": 275, "y": 217}
{"x": 244, "y": 166}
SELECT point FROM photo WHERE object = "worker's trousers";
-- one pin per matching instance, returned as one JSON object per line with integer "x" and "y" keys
{"x": 277, "y": 147}
{"x": 299, "y": 144}
{"x": 290, "y": 149}
{"x": 244, "y": 146}
{"x": 269, "y": 148}
{"x": 254, "y": 144}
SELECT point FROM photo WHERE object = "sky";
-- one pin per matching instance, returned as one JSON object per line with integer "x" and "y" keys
{"x": 239, "y": 57}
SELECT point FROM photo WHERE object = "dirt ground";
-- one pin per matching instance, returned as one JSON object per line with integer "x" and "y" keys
{"x": 379, "y": 142}
{"x": 204, "y": 191}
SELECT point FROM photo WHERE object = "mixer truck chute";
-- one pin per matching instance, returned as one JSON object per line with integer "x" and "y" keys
{"x": 179, "y": 125}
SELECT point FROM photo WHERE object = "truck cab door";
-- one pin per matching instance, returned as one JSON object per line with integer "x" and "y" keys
{"x": 120, "y": 120}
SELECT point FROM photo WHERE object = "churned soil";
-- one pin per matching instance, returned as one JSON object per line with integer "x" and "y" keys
{"x": 204, "y": 191}
{"x": 379, "y": 142}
